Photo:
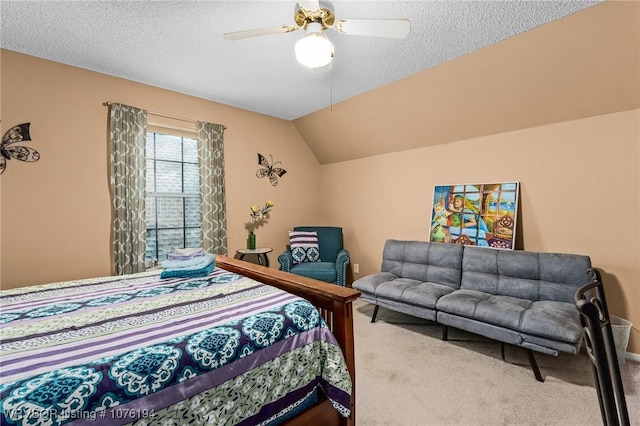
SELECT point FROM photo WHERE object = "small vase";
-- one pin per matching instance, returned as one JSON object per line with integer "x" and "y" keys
{"x": 251, "y": 241}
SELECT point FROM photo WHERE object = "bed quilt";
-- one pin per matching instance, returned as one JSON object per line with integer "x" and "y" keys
{"x": 217, "y": 350}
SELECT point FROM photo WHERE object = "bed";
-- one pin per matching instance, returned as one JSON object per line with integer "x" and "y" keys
{"x": 245, "y": 345}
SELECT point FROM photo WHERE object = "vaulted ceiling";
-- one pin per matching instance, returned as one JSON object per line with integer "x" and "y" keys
{"x": 467, "y": 68}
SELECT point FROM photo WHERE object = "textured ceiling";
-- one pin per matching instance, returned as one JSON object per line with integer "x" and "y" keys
{"x": 179, "y": 45}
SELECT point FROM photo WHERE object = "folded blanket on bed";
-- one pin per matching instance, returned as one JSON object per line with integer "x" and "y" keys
{"x": 186, "y": 253}
{"x": 190, "y": 264}
{"x": 189, "y": 251}
{"x": 188, "y": 273}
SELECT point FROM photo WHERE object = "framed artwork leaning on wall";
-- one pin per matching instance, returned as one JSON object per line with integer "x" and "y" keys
{"x": 475, "y": 214}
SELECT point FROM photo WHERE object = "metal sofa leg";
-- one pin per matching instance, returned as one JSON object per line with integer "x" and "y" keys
{"x": 534, "y": 365}
{"x": 502, "y": 351}
{"x": 445, "y": 333}
{"x": 375, "y": 312}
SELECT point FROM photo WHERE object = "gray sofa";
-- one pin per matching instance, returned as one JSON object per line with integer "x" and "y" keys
{"x": 516, "y": 297}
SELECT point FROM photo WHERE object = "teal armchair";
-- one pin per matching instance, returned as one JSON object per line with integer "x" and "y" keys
{"x": 334, "y": 258}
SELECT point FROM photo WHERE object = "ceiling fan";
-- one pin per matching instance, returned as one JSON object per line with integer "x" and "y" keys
{"x": 315, "y": 50}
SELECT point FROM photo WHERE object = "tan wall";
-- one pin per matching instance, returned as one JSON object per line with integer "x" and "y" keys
{"x": 580, "y": 193}
{"x": 56, "y": 213}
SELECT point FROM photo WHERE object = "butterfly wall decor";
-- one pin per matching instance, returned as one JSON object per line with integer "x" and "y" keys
{"x": 269, "y": 169}
{"x": 8, "y": 151}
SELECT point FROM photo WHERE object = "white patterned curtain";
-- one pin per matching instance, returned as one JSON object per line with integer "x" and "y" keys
{"x": 213, "y": 204}
{"x": 128, "y": 129}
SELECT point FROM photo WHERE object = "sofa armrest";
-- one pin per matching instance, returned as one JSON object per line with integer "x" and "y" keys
{"x": 342, "y": 260}
{"x": 286, "y": 260}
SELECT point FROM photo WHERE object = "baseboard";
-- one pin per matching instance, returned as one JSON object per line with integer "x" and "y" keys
{"x": 632, "y": 356}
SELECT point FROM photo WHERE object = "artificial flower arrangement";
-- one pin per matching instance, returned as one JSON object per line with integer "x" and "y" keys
{"x": 257, "y": 215}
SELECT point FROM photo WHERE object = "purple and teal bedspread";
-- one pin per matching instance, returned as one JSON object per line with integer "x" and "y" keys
{"x": 137, "y": 349}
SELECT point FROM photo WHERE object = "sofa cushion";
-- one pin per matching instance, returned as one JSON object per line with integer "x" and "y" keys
{"x": 323, "y": 271}
{"x": 425, "y": 294}
{"x": 370, "y": 283}
{"x": 394, "y": 288}
{"x": 424, "y": 261}
{"x": 505, "y": 311}
{"x": 524, "y": 274}
{"x": 391, "y": 287}
{"x": 554, "y": 320}
{"x": 549, "y": 319}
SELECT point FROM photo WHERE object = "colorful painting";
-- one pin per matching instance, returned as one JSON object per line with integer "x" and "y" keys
{"x": 479, "y": 214}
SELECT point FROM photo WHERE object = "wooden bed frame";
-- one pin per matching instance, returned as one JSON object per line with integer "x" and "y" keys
{"x": 334, "y": 303}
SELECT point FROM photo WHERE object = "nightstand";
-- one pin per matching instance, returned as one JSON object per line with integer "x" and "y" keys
{"x": 260, "y": 253}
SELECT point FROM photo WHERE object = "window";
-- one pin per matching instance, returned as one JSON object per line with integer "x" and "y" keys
{"x": 173, "y": 199}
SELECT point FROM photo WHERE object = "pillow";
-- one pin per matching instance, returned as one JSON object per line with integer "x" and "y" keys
{"x": 304, "y": 246}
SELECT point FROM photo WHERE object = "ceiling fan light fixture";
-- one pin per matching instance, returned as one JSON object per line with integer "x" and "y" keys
{"x": 314, "y": 50}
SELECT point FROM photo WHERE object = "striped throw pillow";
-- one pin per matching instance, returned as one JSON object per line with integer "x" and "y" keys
{"x": 304, "y": 246}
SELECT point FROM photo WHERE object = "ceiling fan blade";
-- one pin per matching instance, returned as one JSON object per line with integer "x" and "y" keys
{"x": 393, "y": 28}
{"x": 239, "y": 35}
{"x": 309, "y": 5}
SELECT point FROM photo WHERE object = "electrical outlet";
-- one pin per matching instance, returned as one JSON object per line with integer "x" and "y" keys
{"x": 356, "y": 268}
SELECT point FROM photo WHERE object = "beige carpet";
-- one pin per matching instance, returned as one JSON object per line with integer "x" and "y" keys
{"x": 406, "y": 375}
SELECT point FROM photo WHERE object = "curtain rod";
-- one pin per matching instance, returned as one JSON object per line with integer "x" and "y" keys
{"x": 164, "y": 115}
